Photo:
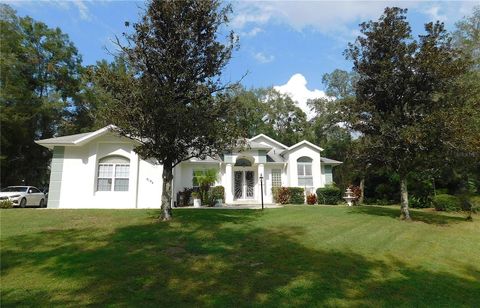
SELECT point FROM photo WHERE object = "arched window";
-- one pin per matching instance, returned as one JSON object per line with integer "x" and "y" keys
{"x": 243, "y": 162}
{"x": 304, "y": 171}
{"x": 113, "y": 173}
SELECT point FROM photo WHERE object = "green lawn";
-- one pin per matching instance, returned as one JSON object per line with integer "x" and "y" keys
{"x": 295, "y": 256}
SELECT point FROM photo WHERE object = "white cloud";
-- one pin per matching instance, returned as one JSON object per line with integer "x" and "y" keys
{"x": 329, "y": 17}
{"x": 79, "y": 5}
{"x": 250, "y": 15}
{"x": 263, "y": 58}
{"x": 434, "y": 13}
{"x": 82, "y": 9}
{"x": 296, "y": 88}
{"x": 339, "y": 19}
{"x": 253, "y": 32}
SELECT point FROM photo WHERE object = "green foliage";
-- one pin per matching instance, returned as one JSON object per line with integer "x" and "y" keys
{"x": 311, "y": 199}
{"x": 6, "y": 204}
{"x": 39, "y": 77}
{"x": 340, "y": 84}
{"x": 281, "y": 195}
{"x": 475, "y": 203}
{"x": 269, "y": 112}
{"x": 171, "y": 96}
{"x": 185, "y": 196}
{"x": 329, "y": 194}
{"x": 447, "y": 203}
{"x": 418, "y": 202}
{"x": 297, "y": 195}
{"x": 217, "y": 193}
{"x": 206, "y": 179}
{"x": 442, "y": 191}
{"x": 195, "y": 195}
{"x": 288, "y": 195}
{"x": 402, "y": 93}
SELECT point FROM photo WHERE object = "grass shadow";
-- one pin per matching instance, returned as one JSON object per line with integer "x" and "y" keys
{"x": 199, "y": 260}
{"x": 417, "y": 215}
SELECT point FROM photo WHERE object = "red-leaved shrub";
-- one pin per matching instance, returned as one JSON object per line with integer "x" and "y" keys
{"x": 311, "y": 199}
{"x": 356, "y": 190}
{"x": 281, "y": 195}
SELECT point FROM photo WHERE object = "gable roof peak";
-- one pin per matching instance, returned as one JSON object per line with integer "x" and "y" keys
{"x": 281, "y": 145}
{"x": 302, "y": 143}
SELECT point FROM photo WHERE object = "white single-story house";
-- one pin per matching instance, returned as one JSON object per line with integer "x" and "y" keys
{"x": 101, "y": 170}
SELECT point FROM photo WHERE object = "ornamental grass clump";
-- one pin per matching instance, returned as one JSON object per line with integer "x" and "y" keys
{"x": 6, "y": 204}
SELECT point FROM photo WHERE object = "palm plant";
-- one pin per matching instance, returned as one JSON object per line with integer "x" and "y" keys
{"x": 205, "y": 180}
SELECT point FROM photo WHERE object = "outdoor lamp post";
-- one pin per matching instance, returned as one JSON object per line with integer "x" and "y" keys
{"x": 261, "y": 188}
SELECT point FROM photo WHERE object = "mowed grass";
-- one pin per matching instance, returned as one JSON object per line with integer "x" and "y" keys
{"x": 294, "y": 256}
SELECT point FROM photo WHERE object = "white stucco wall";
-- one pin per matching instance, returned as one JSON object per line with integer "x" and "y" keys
{"x": 183, "y": 174}
{"x": 79, "y": 176}
{"x": 149, "y": 184}
{"x": 79, "y": 168}
{"x": 294, "y": 155}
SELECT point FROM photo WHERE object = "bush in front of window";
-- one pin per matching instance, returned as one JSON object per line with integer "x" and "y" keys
{"x": 329, "y": 194}
{"x": 6, "y": 204}
{"x": 297, "y": 195}
{"x": 281, "y": 195}
{"x": 286, "y": 195}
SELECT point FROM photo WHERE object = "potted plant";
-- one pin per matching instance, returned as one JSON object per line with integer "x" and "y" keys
{"x": 197, "y": 202}
{"x": 218, "y": 195}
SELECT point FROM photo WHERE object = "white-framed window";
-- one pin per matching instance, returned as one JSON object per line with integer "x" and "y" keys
{"x": 195, "y": 175}
{"x": 304, "y": 172}
{"x": 113, "y": 173}
{"x": 276, "y": 178}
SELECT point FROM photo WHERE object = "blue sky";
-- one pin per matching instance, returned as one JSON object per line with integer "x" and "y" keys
{"x": 287, "y": 44}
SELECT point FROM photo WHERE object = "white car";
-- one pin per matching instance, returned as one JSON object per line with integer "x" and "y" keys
{"x": 23, "y": 196}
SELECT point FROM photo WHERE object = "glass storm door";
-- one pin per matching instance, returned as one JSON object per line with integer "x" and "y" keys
{"x": 238, "y": 184}
{"x": 249, "y": 181}
{"x": 244, "y": 184}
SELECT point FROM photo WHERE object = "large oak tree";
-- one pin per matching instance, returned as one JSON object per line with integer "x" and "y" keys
{"x": 402, "y": 87}
{"x": 170, "y": 96}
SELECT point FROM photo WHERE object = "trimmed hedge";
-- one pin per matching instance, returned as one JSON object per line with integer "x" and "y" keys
{"x": 285, "y": 195}
{"x": 297, "y": 195}
{"x": 448, "y": 203}
{"x": 330, "y": 194}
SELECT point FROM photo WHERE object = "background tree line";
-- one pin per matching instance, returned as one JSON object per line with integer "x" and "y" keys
{"x": 45, "y": 91}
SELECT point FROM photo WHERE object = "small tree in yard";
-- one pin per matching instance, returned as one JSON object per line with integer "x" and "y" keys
{"x": 401, "y": 92}
{"x": 170, "y": 97}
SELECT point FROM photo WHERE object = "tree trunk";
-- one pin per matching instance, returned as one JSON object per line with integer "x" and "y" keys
{"x": 166, "y": 209}
{"x": 362, "y": 191}
{"x": 405, "y": 214}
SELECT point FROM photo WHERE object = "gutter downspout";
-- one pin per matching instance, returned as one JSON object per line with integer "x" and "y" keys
{"x": 138, "y": 183}
{"x": 172, "y": 203}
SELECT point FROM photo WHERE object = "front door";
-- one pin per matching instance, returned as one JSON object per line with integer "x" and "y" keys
{"x": 244, "y": 184}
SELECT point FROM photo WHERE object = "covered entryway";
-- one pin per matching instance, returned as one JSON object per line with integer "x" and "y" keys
{"x": 244, "y": 184}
